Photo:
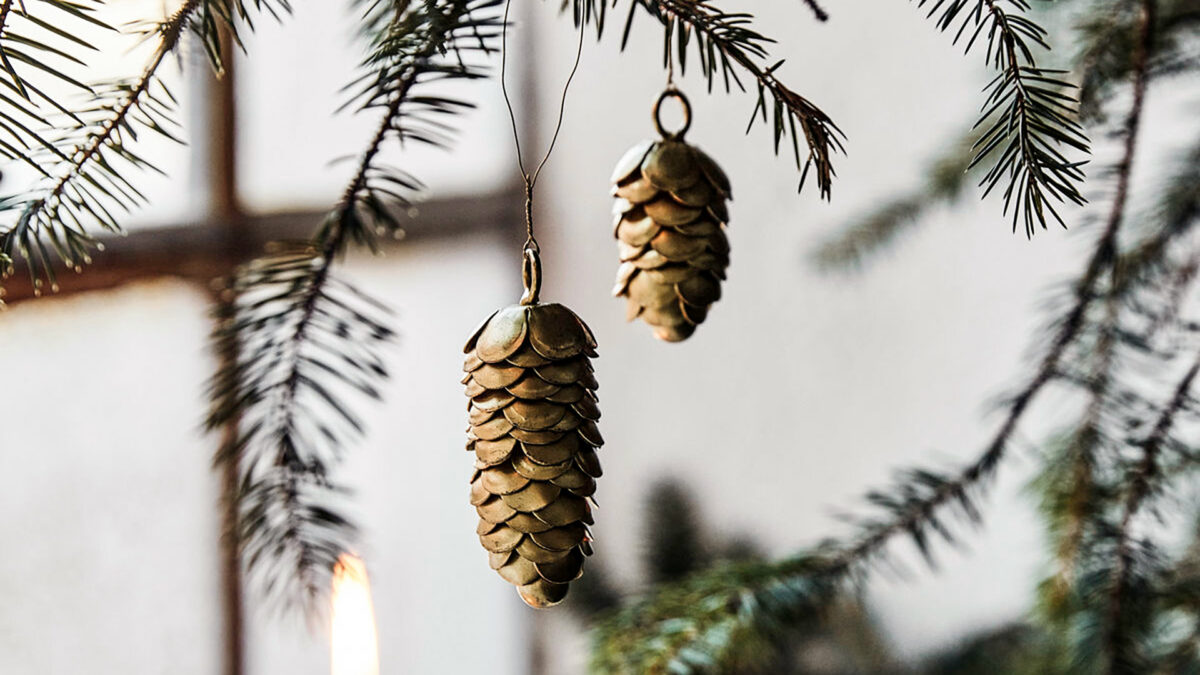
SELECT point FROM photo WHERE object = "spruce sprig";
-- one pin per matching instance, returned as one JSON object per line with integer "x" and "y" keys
{"x": 724, "y": 40}
{"x": 86, "y": 170}
{"x": 306, "y": 341}
{"x": 705, "y": 622}
{"x": 728, "y": 49}
{"x": 87, "y": 180}
{"x": 1028, "y": 120}
{"x": 26, "y": 52}
{"x": 1144, "y": 481}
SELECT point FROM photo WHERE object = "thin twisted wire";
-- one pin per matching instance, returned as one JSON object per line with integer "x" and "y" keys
{"x": 531, "y": 179}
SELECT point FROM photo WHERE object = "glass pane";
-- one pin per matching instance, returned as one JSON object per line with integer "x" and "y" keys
{"x": 114, "y": 565}
{"x": 111, "y": 563}
{"x": 433, "y": 589}
{"x": 289, "y": 88}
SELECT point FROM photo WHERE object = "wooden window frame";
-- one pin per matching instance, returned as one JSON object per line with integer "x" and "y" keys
{"x": 212, "y": 247}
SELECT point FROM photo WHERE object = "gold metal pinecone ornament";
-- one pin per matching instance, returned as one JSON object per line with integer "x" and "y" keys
{"x": 533, "y": 413}
{"x": 670, "y": 218}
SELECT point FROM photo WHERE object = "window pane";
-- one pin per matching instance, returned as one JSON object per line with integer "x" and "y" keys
{"x": 432, "y": 585}
{"x": 289, "y": 88}
{"x": 111, "y": 561}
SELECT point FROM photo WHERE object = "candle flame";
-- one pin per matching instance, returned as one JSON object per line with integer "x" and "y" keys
{"x": 354, "y": 642}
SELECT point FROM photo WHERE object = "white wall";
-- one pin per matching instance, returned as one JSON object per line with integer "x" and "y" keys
{"x": 109, "y": 560}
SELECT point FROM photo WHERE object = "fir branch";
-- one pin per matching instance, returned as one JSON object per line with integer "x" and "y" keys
{"x": 305, "y": 340}
{"x": 929, "y": 492}
{"x": 711, "y": 621}
{"x": 1108, "y": 39}
{"x": 1071, "y": 501}
{"x": 1026, "y": 118}
{"x": 729, "y": 49}
{"x": 723, "y": 40}
{"x": 25, "y": 40}
{"x": 1175, "y": 214}
{"x": 913, "y": 507}
{"x": 85, "y": 181}
{"x": 924, "y": 493}
{"x": 1141, "y": 486}
{"x": 86, "y": 185}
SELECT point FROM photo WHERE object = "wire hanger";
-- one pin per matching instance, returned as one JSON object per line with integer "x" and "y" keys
{"x": 531, "y": 263}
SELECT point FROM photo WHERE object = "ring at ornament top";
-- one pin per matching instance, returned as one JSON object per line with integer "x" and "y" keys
{"x": 672, "y": 92}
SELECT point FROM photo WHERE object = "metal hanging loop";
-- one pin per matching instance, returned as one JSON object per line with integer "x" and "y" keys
{"x": 672, "y": 92}
{"x": 531, "y": 275}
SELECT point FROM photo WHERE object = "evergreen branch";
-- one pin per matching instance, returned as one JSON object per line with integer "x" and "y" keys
{"x": 729, "y": 49}
{"x": 306, "y": 340}
{"x": 913, "y": 507}
{"x": 1105, "y": 58}
{"x": 711, "y": 621}
{"x": 927, "y": 492}
{"x": 724, "y": 39}
{"x": 85, "y": 185}
{"x": 1175, "y": 215}
{"x": 85, "y": 177}
{"x": 924, "y": 493}
{"x": 1069, "y": 502}
{"x": 303, "y": 341}
{"x": 1026, "y": 118}
{"x": 1141, "y": 486}
{"x": 26, "y": 44}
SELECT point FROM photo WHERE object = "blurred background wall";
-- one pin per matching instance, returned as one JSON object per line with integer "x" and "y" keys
{"x": 801, "y": 390}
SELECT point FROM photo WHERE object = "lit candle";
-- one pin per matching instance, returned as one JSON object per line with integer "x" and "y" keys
{"x": 354, "y": 642}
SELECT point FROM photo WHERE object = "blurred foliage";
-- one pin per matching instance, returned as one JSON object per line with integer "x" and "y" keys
{"x": 687, "y": 568}
{"x": 1120, "y": 343}
{"x": 1104, "y": 36}
{"x": 693, "y": 579}
{"x": 307, "y": 342}
{"x": 87, "y": 157}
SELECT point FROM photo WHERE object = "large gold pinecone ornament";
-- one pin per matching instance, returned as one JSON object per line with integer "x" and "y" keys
{"x": 533, "y": 429}
{"x": 670, "y": 218}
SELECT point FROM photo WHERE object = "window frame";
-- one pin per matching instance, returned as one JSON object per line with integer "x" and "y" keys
{"x": 212, "y": 246}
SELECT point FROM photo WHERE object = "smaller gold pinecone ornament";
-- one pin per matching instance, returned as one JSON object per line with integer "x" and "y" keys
{"x": 533, "y": 429}
{"x": 670, "y": 219}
